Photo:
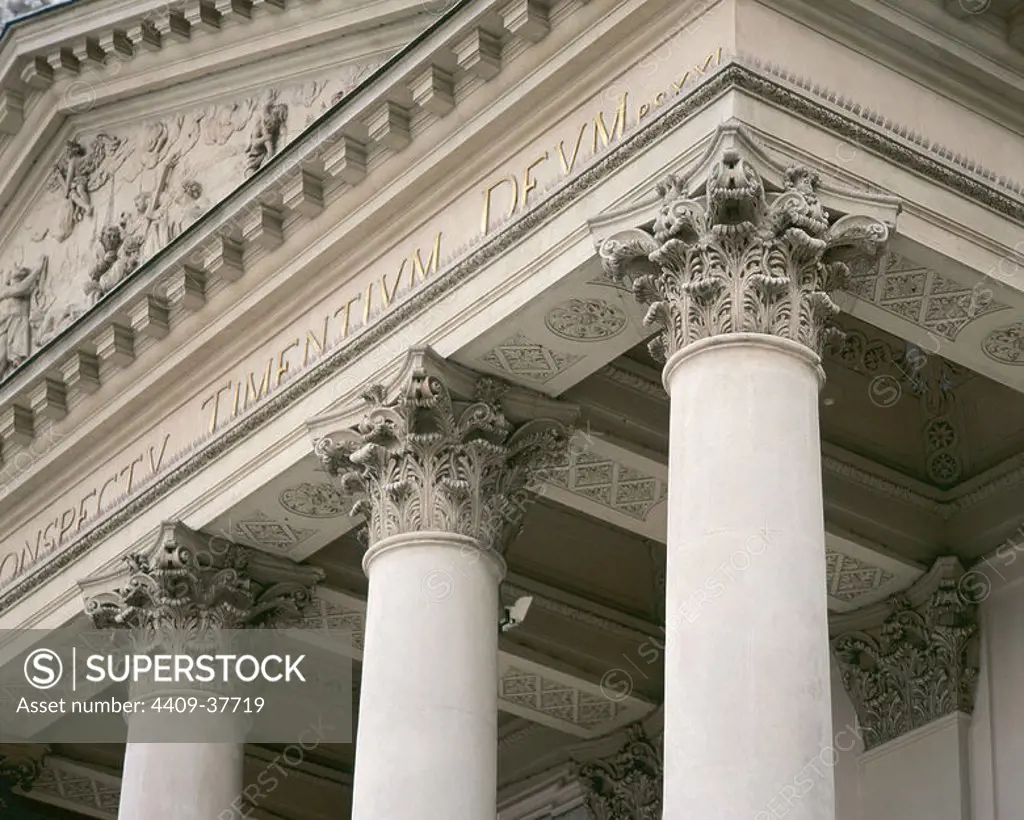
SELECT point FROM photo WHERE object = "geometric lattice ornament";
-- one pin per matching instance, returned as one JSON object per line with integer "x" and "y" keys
{"x": 532, "y": 691}
{"x": 325, "y": 616}
{"x": 263, "y": 531}
{"x": 520, "y": 357}
{"x": 77, "y": 787}
{"x": 850, "y": 578}
{"x": 921, "y": 296}
{"x": 610, "y": 484}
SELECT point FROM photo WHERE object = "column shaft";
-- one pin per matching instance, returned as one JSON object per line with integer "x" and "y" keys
{"x": 180, "y": 781}
{"x": 747, "y": 708}
{"x": 426, "y": 743}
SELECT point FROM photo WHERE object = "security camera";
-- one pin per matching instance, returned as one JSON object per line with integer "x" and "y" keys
{"x": 515, "y": 614}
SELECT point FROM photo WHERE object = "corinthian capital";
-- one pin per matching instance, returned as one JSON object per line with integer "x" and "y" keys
{"x": 188, "y": 583}
{"x": 443, "y": 449}
{"x": 738, "y": 259}
{"x": 627, "y": 783}
{"x": 911, "y": 660}
{"x": 21, "y": 763}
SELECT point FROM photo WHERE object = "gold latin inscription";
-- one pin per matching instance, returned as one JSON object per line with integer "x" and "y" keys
{"x": 506, "y": 190}
{"x": 235, "y": 396}
{"x": 121, "y": 481}
{"x": 280, "y": 363}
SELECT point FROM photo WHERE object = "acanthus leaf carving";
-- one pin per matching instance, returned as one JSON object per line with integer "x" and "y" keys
{"x": 626, "y": 785}
{"x": 918, "y": 665}
{"x": 21, "y": 764}
{"x": 429, "y": 460}
{"x": 741, "y": 260}
{"x": 189, "y": 585}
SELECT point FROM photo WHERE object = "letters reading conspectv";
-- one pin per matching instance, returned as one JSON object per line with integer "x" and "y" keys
{"x": 193, "y": 669}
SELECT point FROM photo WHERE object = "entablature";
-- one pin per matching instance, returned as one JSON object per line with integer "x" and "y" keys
{"x": 218, "y": 343}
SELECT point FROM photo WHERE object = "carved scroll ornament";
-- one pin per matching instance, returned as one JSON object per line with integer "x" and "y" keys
{"x": 428, "y": 460}
{"x": 190, "y": 583}
{"x": 739, "y": 259}
{"x": 627, "y": 785}
{"x": 918, "y": 665}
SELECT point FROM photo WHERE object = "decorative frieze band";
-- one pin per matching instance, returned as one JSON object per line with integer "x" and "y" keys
{"x": 804, "y": 103}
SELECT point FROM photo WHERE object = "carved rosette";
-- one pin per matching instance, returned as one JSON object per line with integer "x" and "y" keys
{"x": 627, "y": 784}
{"x": 741, "y": 260}
{"x": 190, "y": 585}
{"x": 919, "y": 665}
{"x": 427, "y": 460}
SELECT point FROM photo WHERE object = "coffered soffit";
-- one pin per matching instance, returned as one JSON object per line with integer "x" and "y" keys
{"x": 943, "y": 570}
{"x": 526, "y": 688}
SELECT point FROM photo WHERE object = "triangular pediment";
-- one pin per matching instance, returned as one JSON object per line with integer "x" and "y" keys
{"x": 106, "y": 198}
{"x": 121, "y": 126}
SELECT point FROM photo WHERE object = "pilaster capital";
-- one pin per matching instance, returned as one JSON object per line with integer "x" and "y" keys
{"x": 443, "y": 449}
{"x": 728, "y": 255}
{"x": 912, "y": 660}
{"x": 189, "y": 583}
{"x": 22, "y": 763}
{"x": 626, "y": 783}
{"x": 20, "y": 766}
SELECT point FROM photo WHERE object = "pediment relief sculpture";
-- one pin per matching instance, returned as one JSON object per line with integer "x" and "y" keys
{"x": 114, "y": 198}
{"x": 11, "y": 9}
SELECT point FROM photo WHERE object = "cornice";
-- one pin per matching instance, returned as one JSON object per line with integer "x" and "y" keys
{"x": 893, "y": 140}
{"x": 981, "y": 67}
{"x": 203, "y": 247}
{"x": 123, "y": 51}
{"x": 321, "y": 144}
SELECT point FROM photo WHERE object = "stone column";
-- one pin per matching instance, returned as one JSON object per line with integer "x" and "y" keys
{"x": 910, "y": 666}
{"x": 180, "y": 594}
{"x": 442, "y": 462}
{"x": 737, "y": 280}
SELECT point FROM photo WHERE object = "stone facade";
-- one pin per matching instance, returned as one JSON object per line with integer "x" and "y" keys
{"x": 371, "y": 337}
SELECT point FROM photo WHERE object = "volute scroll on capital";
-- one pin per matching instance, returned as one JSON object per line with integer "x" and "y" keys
{"x": 443, "y": 449}
{"x": 190, "y": 584}
{"x": 913, "y": 659}
{"x": 730, "y": 256}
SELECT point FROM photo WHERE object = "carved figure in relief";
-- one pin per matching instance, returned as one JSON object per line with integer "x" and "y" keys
{"x": 15, "y": 308}
{"x": 186, "y": 206}
{"x": 78, "y": 173}
{"x": 267, "y": 135}
{"x": 132, "y": 239}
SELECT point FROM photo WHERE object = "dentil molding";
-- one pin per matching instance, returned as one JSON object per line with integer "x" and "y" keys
{"x": 19, "y": 419}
